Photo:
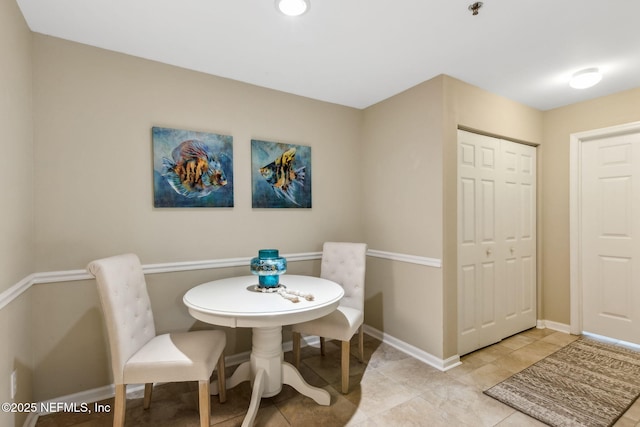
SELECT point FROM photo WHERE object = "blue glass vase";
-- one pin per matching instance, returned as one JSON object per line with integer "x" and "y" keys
{"x": 268, "y": 266}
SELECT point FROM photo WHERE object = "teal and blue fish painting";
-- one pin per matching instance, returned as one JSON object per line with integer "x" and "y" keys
{"x": 281, "y": 175}
{"x": 192, "y": 169}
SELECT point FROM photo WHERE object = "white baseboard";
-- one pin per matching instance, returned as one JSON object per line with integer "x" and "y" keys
{"x": 560, "y": 327}
{"x": 428, "y": 358}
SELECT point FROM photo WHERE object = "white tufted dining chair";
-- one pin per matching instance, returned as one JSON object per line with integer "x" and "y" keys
{"x": 138, "y": 355}
{"x": 345, "y": 264}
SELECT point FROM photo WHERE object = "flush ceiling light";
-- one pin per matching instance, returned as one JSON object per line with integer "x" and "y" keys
{"x": 585, "y": 78}
{"x": 292, "y": 7}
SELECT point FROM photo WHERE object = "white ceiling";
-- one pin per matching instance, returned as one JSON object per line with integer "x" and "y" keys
{"x": 359, "y": 52}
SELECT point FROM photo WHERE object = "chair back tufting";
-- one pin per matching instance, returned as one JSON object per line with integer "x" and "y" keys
{"x": 345, "y": 264}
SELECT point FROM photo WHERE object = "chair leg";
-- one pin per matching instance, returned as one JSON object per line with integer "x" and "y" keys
{"x": 345, "y": 366}
{"x": 119, "y": 405}
{"x": 205, "y": 403}
{"x": 322, "y": 346}
{"x": 222, "y": 380}
{"x": 361, "y": 343}
{"x": 295, "y": 337}
{"x": 148, "y": 390}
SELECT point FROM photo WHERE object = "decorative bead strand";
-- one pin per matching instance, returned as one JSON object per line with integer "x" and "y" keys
{"x": 283, "y": 293}
{"x": 308, "y": 297}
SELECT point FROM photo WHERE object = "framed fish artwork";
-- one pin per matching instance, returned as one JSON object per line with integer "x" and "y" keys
{"x": 192, "y": 169}
{"x": 280, "y": 175}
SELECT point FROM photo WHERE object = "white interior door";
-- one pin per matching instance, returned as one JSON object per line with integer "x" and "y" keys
{"x": 478, "y": 279}
{"x": 610, "y": 227}
{"x": 496, "y": 239}
{"x": 518, "y": 223}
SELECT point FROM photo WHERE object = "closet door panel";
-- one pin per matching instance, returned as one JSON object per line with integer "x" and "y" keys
{"x": 478, "y": 269}
{"x": 519, "y": 244}
{"x": 496, "y": 239}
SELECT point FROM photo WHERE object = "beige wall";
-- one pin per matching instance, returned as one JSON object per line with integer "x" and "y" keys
{"x": 17, "y": 171}
{"x": 16, "y": 209}
{"x": 402, "y": 213}
{"x": 402, "y": 171}
{"x": 15, "y": 355}
{"x": 559, "y": 124}
{"x": 94, "y": 111}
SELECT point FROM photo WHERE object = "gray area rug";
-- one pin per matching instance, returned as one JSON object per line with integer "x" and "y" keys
{"x": 587, "y": 383}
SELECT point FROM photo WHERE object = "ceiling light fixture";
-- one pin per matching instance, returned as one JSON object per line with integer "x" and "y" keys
{"x": 293, "y": 7}
{"x": 585, "y": 78}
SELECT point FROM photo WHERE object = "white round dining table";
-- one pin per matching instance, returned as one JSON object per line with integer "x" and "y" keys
{"x": 238, "y": 302}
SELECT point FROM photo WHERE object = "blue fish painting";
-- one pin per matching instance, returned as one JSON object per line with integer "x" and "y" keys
{"x": 192, "y": 169}
{"x": 281, "y": 175}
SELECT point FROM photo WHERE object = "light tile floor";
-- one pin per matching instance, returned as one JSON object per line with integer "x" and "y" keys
{"x": 389, "y": 389}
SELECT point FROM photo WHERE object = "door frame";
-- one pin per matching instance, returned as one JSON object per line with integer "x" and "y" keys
{"x": 575, "y": 213}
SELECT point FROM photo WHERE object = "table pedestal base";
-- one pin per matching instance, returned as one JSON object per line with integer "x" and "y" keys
{"x": 267, "y": 371}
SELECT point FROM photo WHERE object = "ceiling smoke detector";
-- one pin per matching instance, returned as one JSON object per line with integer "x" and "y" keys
{"x": 475, "y": 7}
